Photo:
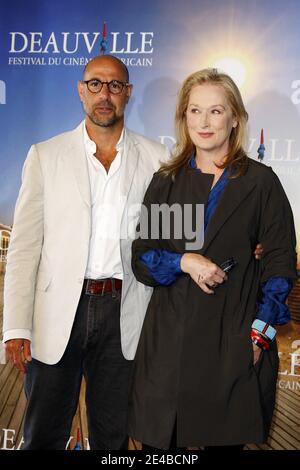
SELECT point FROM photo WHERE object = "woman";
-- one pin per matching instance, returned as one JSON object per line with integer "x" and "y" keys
{"x": 206, "y": 365}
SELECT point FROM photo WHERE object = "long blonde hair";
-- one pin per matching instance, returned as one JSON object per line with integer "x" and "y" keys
{"x": 236, "y": 158}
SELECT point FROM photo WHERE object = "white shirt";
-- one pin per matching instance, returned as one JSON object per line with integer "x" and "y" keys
{"x": 107, "y": 210}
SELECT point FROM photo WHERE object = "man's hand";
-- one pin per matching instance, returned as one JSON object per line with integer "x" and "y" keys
{"x": 258, "y": 252}
{"x": 256, "y": 353}
{"x": 19, "y": 353}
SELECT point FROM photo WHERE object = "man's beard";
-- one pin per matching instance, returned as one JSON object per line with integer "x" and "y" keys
{"x": 104, "y": 121}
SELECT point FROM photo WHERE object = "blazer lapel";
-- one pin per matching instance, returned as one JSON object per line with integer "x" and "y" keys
{"x": 130, "y": 155}
{"x": 79, "y": 164}
{"x": 80, "y": 168}
{"x": 234, "y": 193}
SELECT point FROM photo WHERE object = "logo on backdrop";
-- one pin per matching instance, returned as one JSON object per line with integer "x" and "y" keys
{"x": 37, "y": 48}
{"x": 289, "y": 374}
{"x": 2, "y": 92}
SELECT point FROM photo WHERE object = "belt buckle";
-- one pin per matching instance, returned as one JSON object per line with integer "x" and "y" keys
{"x": 89, "y": 287}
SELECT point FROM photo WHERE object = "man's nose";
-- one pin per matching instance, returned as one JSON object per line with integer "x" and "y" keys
{"x": 104, "y": 90}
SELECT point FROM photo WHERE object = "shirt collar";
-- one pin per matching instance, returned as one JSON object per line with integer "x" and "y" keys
{"x": 90, "y": 146}
{"x": 193, "y": 164}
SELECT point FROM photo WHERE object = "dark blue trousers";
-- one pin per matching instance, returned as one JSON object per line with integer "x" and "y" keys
{"x": 93, "y": 351}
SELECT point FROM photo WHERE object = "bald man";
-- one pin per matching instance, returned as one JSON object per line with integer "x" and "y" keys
{"x": 72, "y": 306}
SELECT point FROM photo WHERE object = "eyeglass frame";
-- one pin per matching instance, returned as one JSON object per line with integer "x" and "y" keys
{"x": 86, "y": 82}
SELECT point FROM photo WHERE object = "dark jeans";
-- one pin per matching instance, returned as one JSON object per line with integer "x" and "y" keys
{"x": 93, "y": 351}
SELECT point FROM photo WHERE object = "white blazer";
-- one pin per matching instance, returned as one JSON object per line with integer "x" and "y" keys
{"x": 49, "y": 245}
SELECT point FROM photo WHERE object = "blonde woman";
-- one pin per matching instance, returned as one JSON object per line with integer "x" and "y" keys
{"x": 206, "y": 365}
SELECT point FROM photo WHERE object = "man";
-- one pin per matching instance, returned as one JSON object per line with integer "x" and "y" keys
{"x": 72, "y": 306}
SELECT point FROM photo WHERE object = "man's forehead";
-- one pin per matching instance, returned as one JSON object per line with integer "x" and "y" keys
{"x": 105, "y": 65}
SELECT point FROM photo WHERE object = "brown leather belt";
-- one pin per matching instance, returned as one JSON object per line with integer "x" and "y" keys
{"x": 100, "y": 286}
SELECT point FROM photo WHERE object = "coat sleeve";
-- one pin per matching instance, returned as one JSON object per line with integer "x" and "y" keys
{"x": 24, "y": 248}
{"x": 144, "y": 241}
{"x": 164, "y": 265}
{"x": 277, "y": 232}
{"x": 272, "y": 307}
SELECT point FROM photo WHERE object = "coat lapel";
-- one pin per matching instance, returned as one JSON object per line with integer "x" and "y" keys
{"x": 79, "y": 164}
{"x": 234, "y": 194}
{"x": 191, "y": 189}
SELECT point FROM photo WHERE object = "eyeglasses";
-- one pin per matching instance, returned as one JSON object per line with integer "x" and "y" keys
{"x": 115, "y": 87}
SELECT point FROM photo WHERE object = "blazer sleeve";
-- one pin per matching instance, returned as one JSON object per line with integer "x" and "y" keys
{"x": 24, "y": 248}
{"x": 144, "y": 241}
{"x": 277, "y": 232}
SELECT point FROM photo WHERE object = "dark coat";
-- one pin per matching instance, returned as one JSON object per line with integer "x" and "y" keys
{"x": 194, "y": 361}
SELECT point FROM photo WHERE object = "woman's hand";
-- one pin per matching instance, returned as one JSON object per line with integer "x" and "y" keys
{"x": 259, "y": 250}
{"x": 256, "y": 353}
{"x": 203, "y": 271}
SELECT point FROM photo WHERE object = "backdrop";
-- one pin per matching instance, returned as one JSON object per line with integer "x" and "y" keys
{"x": 44, "y": 46}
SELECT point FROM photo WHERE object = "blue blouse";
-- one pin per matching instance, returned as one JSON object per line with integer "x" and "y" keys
{"x": 164, "y": 266}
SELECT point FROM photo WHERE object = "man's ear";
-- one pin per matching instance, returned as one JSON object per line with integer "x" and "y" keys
{"x": 80, "y": 89}
{"x": 128, "y": 92}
